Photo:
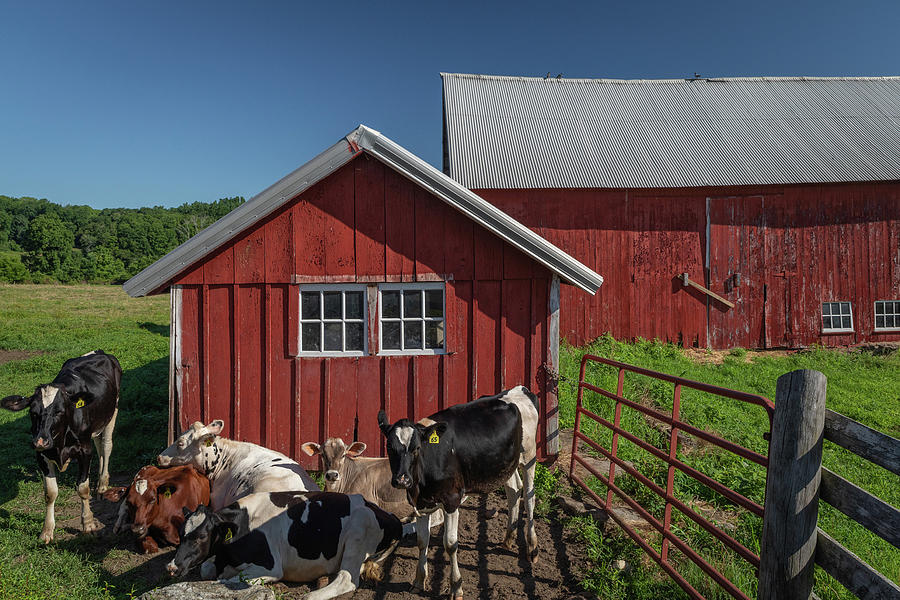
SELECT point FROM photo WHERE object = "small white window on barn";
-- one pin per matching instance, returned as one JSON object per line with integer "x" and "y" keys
{"x": 836, "y": 317}
{"x": 333, "y": 320}
{"x": 887, "y": 315}
{"x": 411, "y": 318}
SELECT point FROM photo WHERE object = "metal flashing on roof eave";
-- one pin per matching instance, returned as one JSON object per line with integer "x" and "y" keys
{"x": 163, "y": 271}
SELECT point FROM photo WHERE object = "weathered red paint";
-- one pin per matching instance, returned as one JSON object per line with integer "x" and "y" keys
{"x": 364, "y": 223}
{"x": 794, "y": 246}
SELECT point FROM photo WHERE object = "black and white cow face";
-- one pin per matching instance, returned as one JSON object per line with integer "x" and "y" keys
{"x": 194, "y": 447}
{"x": 50, "y": 409}
{"x": 404, "y": 442}
{"x": 333, "y": 452}
{"x": 200, "y": 533}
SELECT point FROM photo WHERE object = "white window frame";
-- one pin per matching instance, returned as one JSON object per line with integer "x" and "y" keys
{"x": 419, "y": 285}
{"x": 831, "y": 304}
{"x": 332, "y": 287}
{"x": 895, "y": 314}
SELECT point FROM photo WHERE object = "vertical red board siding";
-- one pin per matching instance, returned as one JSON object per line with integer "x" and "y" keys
{"x": 429, "y": 234}
{"x": 399, "y": 386}
{"x": 341, "y": 397}
{"x": 338, "y": 203}
{"x": 279, "y": 372}
{"x": 279, "y": 249}
{"x": 459, "y": 251}
{"x": 539, "y": 344}
{"x": 309, "y": 222}
{"x": 191, "y": 369}
{"x": 486, "y": 330}
{"x": 427, "y": 384}
{"x": 458, "y": 361}
{"x": 399, "y": 227}
{"x": 311, "y": 410}
{"x": 515, "y": 333}
{"x": 369, "y": 217}
{"x": 250, "y": 257}
{"x": 219, "y": 356}
{"x": 488, "y": 256}
{"x": 369, "y": 400}
{"x": 219, "y": 269}
{"x": 251, "y": 401}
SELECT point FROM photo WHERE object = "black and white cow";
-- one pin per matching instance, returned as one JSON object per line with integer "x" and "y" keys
{"x": 294, "y": 536}
{"x": 464, "y": 449}
{"x": 234, "y": 468}
{"x": 79, "y": 405}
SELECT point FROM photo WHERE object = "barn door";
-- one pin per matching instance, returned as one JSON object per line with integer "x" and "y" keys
{"x": 736, "y": 264}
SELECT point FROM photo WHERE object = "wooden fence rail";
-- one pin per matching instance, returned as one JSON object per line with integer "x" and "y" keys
{"x": 792, "y": 544}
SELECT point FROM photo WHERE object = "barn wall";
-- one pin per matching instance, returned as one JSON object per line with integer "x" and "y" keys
{"x": 793, "y": 246}
{"x": 364, "y": 223}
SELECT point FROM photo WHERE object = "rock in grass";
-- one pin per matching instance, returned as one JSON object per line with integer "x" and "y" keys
{"x": 209, "y": 590}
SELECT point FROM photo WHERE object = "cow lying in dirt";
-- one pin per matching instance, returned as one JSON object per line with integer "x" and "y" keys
{"x": 294, "y": 536}
{"x": 154, "y": 503}
{"x": 234, "y": 468}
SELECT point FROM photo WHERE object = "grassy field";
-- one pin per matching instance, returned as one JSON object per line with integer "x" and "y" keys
{"x": 44, "y": 325}
{"x": 860, "y": 385}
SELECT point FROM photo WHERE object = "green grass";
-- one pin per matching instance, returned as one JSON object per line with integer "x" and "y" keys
{"x": 55, "y": 323}
{"x": 860, "y": 385}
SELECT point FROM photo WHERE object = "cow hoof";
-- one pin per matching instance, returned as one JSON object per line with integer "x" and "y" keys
{"x": 510, "y": 541}
{"x": 46, "y": 536}
{"x": 91, "y": 526}
{"x": 416, "y": 587}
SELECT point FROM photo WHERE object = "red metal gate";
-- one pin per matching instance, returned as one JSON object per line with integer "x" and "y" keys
{"x": 675, "y": 425}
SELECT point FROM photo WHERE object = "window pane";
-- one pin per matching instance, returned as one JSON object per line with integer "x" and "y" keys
{"x": 311, "y": 341}
{"x": 891, "y": 321}
{"x": 353, "y": 303}
{"x": 354, "y": 332}
{"x": 390, "y": 307}
{"x": 879, "y": 321}
{"x": 879, "y": 308}
{"x": 333, "y": 336}
{"x": 412, "y": 303}
{"x": 826, "y": 308}
{"x": 434, "y": 334}
{"x": 390, "y": 335}
{"x": 892, "y": 307}
{"x": 434, "y": 303}
{"x": 845, "y": 322}
{"x": 826, "y": 322}
{"x": 310, "y": 305}
{"x": 332, "y": 302}
{"x": 845, "y": 308}
{"x": 412, "y": 335}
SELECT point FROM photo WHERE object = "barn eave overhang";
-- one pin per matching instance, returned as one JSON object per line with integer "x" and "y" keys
{"x": 159, "y": 275}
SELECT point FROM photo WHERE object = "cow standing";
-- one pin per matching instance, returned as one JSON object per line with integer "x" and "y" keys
{"x": 294, "y": 536}
{"x": 234, "y": 468}
{"x": 155, "y": 501}
{"x": 467, "y": 448}
{"x": 78, "y": 406}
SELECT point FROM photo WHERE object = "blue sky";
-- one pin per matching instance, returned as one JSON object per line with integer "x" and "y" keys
{"x": 127, "y": 104}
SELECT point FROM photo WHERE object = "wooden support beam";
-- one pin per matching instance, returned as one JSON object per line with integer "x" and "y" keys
{"x": 687, "y": 282}
{"x": 872, "y": 445}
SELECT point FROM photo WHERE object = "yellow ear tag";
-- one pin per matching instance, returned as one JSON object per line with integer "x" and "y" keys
{"x": 209, "y": 442}
{"x": 434, "y": 439}
{"x": 167, "y": 493}
{"x": 80, "y": 403}
{"x": 228, "y": 535}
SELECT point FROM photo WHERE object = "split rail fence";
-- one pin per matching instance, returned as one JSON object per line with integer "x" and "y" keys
{"x": 792, "y": 544}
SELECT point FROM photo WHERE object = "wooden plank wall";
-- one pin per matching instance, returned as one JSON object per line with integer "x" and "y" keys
{"x": 364, "y": 223}
{"x": 794, "y": 246}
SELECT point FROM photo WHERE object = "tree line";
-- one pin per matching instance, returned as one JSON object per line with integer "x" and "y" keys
{"x": 44, "y": 242}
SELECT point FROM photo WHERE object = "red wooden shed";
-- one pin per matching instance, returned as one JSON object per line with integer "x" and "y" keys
{"x": 781, "y": 195}
{"x": 364, "y": 280}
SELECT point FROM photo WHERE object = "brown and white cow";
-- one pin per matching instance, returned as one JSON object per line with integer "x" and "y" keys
{"x": 79, "y": 406}
{"x": 155, "y": 503}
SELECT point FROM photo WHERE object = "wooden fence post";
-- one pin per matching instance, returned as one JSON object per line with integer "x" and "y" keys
{"x": 788, "y": 547}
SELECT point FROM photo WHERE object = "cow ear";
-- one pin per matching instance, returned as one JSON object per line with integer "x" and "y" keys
{"x": 216, "y": 427}
{"x": 15, "y": 403}
{"x": 438, "y": 428}
{"x": 226, "y": 531}
{"x": 114, "y": 494}
{"x": 355, "y": 449}
{"x": 311, "y": 448}
{"x": 383, "y": 422}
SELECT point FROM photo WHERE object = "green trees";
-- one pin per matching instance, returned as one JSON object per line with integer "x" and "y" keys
{"x": 80, "y": 243}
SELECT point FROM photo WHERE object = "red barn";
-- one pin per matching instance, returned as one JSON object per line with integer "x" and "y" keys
{"x": 365, "y": 279}
{"x": 779, "y": 195}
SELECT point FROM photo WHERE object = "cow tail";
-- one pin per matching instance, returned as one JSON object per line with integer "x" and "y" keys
{"x": 371, "y": 569}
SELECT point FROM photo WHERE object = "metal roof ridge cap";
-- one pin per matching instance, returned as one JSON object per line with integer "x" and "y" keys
{"x": 671, "y": 79}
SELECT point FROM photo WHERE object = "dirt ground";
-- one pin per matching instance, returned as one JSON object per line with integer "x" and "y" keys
{"x": 489, "y": 570}
{"x": 11, "y": 355}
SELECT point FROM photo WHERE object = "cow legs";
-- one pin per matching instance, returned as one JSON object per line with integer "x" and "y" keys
{"x": 103, "y": 444}
{"x": 51, "y": 491}
{"x": 88, "y": 523}
{"x": 528, "y": 495}
{"x": 451, "y": 546}
{"x": 344, "y": 582}
{"x": 423, "y": 535}
{"x": 513, "y": 487}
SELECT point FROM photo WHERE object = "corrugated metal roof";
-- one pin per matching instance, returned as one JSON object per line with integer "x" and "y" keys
{"x": 530, "y": 132}
{"x": 395, "y": 156}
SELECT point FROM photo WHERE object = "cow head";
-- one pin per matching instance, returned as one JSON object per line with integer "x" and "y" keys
{"x": 139, "y": 501}
{"x": 333, "y": 453}
{"x": 405, "y": 440}
{"x": 51, "y": 409}
{"x": 193, "y": 446}
{"x": 201, "y": 533}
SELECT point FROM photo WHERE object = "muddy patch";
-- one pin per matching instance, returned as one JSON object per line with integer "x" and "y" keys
{"x": 14, "y": 355}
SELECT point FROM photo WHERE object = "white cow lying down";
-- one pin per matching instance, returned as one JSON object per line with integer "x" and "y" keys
{"x": 294, "y": 536}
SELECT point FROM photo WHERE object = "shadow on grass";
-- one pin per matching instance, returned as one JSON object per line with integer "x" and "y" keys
{"x": 156, "y": 328}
